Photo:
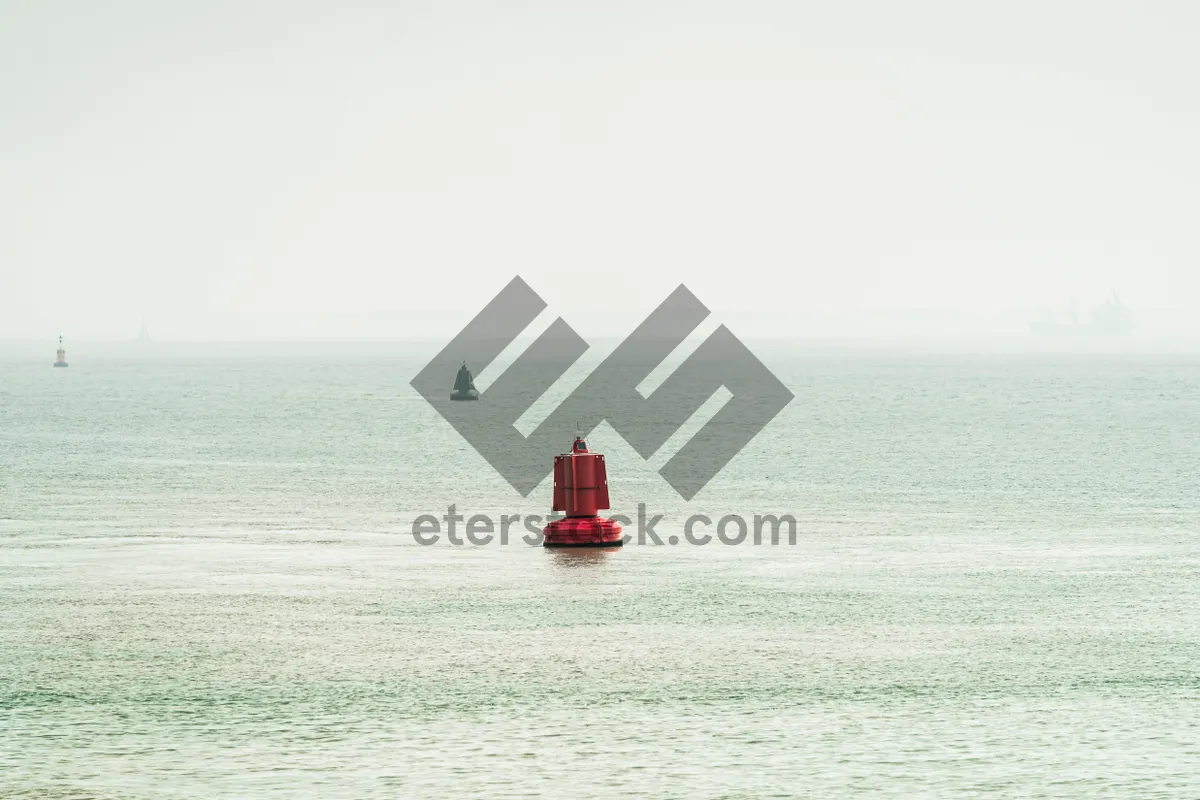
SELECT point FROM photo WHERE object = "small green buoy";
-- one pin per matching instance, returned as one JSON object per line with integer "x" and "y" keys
{"x": 464, "y": 385}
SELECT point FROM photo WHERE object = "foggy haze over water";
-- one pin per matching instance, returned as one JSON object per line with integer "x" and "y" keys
{"x": 319, "y": 170}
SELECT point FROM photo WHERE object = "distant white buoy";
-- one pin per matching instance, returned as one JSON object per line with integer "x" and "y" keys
{"x": 62, "y": 354}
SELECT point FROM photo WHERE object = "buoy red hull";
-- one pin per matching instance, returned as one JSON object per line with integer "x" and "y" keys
{"x": 583, "y": 532}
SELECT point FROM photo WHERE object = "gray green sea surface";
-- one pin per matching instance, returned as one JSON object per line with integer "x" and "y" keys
{"x": 209, "y": 588}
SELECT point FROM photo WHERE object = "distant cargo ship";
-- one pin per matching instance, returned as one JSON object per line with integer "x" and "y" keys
{"x": 1109, "y": 319}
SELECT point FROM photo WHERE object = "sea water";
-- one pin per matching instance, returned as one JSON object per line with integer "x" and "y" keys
{"x": 209, "y": 587}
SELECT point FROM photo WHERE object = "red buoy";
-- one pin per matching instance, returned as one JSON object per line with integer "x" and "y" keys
{"x": 580, "y": 490}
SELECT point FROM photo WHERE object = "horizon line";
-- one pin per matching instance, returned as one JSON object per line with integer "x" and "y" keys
{"x": 442, "y": 339}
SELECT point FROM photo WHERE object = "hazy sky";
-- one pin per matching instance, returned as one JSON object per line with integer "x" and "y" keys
{"x": 312, "y": 168}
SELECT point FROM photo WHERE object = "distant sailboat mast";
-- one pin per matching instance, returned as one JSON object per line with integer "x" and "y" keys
{"x": 144, "y": 334}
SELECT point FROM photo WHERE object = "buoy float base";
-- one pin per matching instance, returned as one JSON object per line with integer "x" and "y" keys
{"x": 583, "y": 532}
